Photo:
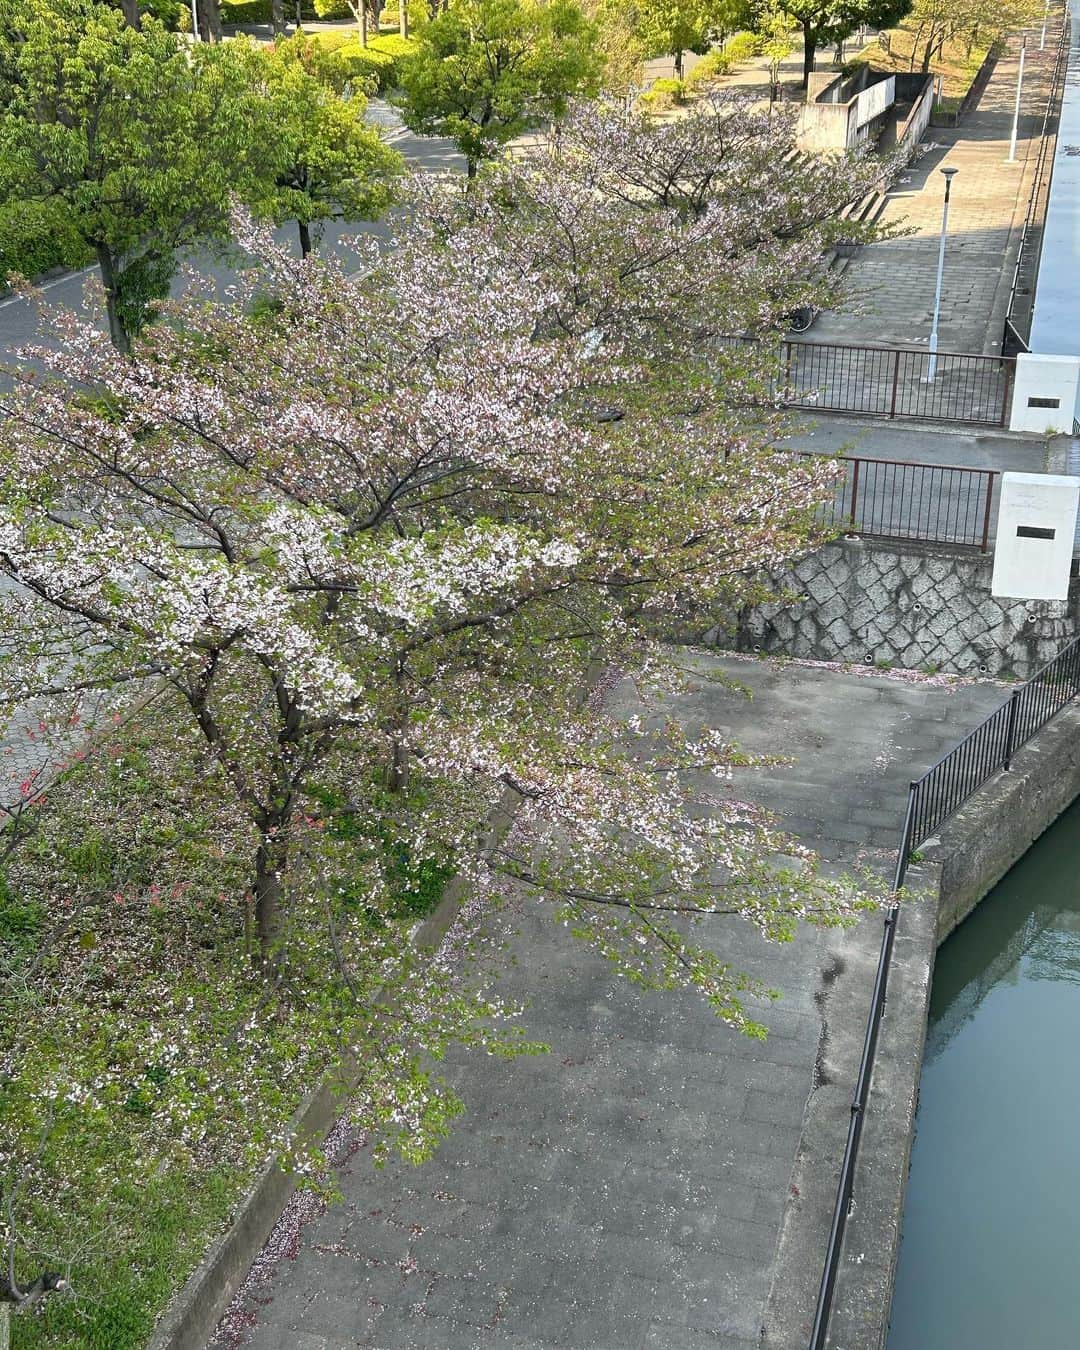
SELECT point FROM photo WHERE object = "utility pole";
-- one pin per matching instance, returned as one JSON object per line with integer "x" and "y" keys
{"x": 931, "y": 369}
{"x": 1016, "y": 108}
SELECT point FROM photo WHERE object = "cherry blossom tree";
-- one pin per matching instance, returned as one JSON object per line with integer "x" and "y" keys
{"x": 377, "y": 536}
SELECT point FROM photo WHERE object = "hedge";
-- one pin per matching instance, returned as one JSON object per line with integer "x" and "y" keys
{"x": 373, "y": 66}
{"x": 34, "y": 237}
{"x": 258, "y": 11}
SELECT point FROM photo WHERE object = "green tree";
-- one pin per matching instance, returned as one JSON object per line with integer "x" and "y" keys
{"x": 143, "y": 139}
{"x": 618, "y": 42}
{"x": 675, "y": 27}
{"x": 485, "y": 71}
{"x": 333, "y": 165}
{"x": 825, "y": 21}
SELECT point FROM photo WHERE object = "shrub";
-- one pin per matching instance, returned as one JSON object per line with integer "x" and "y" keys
{"x": 258, "y": 11}
{"x": 391, "y": 15}
{"x": 741, "y": 47}
{"x": 373, "y": 67}
{"x": 333, "y": 9}
{"x": 174, "y": 14}
{"x": 663, "y": 94}
{"x": 35, "y": 236}
{"x": 712, "y": 64}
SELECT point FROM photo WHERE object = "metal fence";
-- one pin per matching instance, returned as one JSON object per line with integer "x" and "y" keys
{"x": 892, "y": 382}
{"x": 1018, "y": 313}
{"x": 932, "y": 799}
{"x": 937, "y": 503}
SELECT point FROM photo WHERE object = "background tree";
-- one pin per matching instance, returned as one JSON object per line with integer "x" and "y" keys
{"x": 332, "y": 164}
{"x": 347, "y": 526}
{"x": 366, "y": 549}
{"x": 618, "y": 43}
{"x": 143, "y": 139}
{"x": 486, "y": 71}
{"x": 827, "y": 21}
{"x": 674, "y": 27}
{"x": 777, "y": 32}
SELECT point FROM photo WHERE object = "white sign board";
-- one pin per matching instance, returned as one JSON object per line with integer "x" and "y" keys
{"x": 1034, "y": 546}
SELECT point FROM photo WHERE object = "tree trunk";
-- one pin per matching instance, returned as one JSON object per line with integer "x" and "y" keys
{"x": 270, "y": 859}
{"x": 209, "y": 20}
{"x": 277, "y": 17}
{"x": 305, "y": 237}
{"x": 130, "y": 10}
{"x": 470, "y": 167}
{"x": 403, "y": 18}
{"x": 678, "y": 65}
{"x": 809, "y": 52}
{"x": 118, "y": 334}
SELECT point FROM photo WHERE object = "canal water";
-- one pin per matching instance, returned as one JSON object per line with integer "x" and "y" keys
{"x": 990, "y": 1256}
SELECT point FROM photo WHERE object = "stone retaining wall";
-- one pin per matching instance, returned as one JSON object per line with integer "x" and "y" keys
{"x": 902, "y": 605}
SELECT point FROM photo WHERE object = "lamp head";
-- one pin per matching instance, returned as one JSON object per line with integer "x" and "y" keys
{"x": 949, "y": 172}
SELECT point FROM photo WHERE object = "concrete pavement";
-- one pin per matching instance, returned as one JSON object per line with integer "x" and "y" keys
{"x": 891, "y": 284}
{"x": 657, "y": 1181}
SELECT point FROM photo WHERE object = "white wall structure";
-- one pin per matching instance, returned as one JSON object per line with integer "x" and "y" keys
{"x": 1045, "y": 393}
{"x": 1034, "y": 544}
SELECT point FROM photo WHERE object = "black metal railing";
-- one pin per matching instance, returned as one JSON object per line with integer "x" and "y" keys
{"x": 1018, "y": 312}
{"x": 932, "y": 799}
{"x": 934, "y": 503}
{"x": 893, "y": 382}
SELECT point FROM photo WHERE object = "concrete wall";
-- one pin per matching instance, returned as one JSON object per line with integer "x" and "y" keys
{"x": 875, "y": 100}
{"x": 1045, "y": 393}
{"x": 834, "y": 117}
{"x": 901, "y": 605}
{"x": 910, "y": 131}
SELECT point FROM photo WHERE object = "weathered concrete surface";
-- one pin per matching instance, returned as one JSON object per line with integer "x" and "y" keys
{"x": 942, "y": 444}
{"x": 917, "y": 606}
{"x": 656, "y": 1181}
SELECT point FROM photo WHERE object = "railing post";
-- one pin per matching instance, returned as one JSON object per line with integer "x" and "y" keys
{"x": 1004, "y": 419}
{"x": 855, "y": 491}
{"x": 905, "y": 839}
{"x": 990, "y": 475}
{"x": 1010, "y": 728}
{"x": 895, "y": 382}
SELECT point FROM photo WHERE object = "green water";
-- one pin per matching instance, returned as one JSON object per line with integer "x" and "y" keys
{"x": 990, "y": 1257}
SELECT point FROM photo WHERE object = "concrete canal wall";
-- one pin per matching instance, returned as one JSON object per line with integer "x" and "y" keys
{"x": 959, "y": 867}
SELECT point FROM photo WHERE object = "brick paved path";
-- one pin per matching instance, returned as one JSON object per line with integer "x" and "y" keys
{"x": 893, "y": 283}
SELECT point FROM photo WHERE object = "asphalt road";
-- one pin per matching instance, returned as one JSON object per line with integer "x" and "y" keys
{"x": 21, "y": 323}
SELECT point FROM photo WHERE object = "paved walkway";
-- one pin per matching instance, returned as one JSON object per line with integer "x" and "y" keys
{"x": 892, "y": 284}
{"x": 635, "y": 1187}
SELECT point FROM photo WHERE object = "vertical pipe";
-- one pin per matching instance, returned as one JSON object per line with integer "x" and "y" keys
{"x": 1009, "y": 367}
{"x": 1010, "y": 729}
{"x": 855, "y": 494}
{"x": 895, "y": 381}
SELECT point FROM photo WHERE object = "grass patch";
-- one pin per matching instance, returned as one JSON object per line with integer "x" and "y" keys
{"x": 154, "y": 1068}
{"x": 957, "y": 64}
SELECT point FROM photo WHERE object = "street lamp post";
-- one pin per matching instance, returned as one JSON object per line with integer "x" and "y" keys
{"x": 1046, "y": 15}
{"x": 1016, "y": 107}
{"x": 195, "y": 20}
{"x": 931, "y": 369}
